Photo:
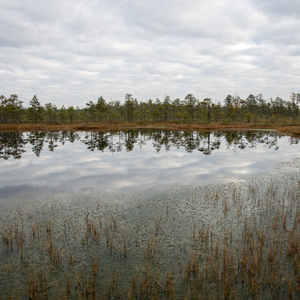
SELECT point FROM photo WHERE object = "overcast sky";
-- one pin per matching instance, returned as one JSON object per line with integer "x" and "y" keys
{"x": 71, "y": 52}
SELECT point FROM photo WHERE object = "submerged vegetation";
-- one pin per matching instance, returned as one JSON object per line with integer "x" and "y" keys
{"x": 233, "y": 240}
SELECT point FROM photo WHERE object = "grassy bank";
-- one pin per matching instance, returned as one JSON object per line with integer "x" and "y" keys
{"x": 290, "y": 129}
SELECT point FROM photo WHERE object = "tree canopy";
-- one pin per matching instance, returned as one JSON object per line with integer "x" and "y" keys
{"x": 188, "y": 110}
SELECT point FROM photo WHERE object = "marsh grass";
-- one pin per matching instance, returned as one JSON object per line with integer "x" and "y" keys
{"x": 233, "y": 240}
{"x": 292, "y": 128}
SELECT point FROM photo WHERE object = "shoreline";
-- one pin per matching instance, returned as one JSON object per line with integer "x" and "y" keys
{"x": 100, "y": 126}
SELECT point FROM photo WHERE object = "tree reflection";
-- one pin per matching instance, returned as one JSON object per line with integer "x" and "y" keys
{"x": 12, "y": 144}
{"x": 36, "y": 139}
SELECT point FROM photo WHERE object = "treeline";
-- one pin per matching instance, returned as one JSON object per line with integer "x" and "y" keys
{"x": 189, "y": 110}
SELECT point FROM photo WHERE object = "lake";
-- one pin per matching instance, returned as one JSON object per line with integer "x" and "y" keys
{"x": 85, "y": 162}
{"x": 149, "y": 214}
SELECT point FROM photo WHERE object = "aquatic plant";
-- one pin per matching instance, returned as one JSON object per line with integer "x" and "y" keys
{"x": 235, "y": 239}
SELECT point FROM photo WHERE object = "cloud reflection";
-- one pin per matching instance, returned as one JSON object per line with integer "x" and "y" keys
{"x": 72, "y": 168}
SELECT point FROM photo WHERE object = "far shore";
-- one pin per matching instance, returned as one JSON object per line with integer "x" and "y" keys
{"x": 106, "y": 126}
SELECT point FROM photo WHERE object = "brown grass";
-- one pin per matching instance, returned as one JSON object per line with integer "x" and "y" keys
{"x": 98, "y": 126}
{"x": 260, "y": 260}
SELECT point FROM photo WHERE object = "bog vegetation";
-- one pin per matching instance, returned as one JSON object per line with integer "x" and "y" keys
{"x": 253, "y": 109}
{"x": 236, "y": 240}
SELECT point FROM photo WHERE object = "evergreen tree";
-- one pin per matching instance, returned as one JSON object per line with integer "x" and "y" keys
{"x": 14, "y": 108}
{"x": 3, "y": 104}
{"x": 101, "y": 108}
{"x": 35, "y": 111}
{"x": 129, "y": 107}
{"x": 62, "y": 114}
{"x": 71, "y": 113}
{"x": 50, "y": 110}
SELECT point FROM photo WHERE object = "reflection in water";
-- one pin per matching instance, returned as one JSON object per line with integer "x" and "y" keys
{"x": 88, "y": 162}
{"x": 12, "y": 144}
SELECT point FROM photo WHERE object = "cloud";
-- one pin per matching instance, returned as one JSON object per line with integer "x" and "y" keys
{"x": 72, "y": 52}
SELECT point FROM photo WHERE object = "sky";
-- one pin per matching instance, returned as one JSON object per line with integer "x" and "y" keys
{"x": 72, "y": 52}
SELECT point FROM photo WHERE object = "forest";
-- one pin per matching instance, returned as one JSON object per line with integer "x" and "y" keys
{"x": 254, "y": 109}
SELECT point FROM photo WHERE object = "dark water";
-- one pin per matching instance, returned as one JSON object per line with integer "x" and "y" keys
{"x": 83, "y": 162}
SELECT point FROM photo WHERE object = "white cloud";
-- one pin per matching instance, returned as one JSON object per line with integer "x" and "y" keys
{"x": 72, "y": 52}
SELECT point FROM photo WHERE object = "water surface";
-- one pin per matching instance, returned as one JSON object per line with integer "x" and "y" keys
{"x": 84, "y": 162}
{"x": 103, "y": 215}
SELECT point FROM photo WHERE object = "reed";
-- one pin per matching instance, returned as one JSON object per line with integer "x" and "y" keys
{"x": 150, "y": 249}
{"x": 251, "y": 248}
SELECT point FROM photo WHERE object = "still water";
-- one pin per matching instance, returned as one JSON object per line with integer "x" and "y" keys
{"x": 129, "y": 215}
{"x": 83, "y": 162}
